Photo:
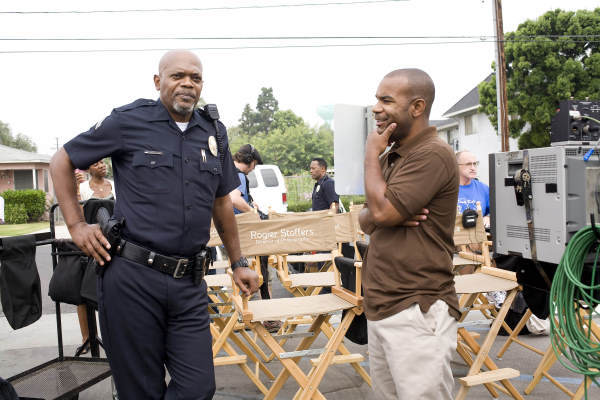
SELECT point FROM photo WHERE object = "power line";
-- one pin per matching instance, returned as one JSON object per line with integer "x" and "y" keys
{"x": 480, "y": 37}
{"x": 267, "y": 47}
{"x": 218, "y": 8}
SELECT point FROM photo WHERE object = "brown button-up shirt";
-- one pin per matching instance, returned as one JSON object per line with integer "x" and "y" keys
{"x": 407, "y": 265}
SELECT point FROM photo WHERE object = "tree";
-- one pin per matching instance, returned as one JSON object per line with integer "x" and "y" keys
{"x": 253, "y": 122}
{"x": 291, "y": 148}
{"x": 550, "y": 59}
{"x": 21, "y": 141}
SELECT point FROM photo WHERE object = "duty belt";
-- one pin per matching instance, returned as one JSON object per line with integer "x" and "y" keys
{"x": 177, "y": 267}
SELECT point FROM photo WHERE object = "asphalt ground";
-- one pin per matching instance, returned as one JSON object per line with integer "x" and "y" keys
{"x": 33, "y": 345}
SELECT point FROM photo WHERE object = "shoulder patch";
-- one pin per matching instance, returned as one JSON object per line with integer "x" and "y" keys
{"x": 99, "y": 123}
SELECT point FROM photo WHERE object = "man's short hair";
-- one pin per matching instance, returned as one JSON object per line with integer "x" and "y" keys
{"x": 460, "y": 153}
{"x": 246, "y": 154}
{"x": 321, "y": 161}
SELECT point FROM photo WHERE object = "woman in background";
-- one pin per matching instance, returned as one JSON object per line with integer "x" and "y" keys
{"x": 98, "y": 187}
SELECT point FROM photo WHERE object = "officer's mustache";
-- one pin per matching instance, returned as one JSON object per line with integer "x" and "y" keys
{"x": 182, "y": 93}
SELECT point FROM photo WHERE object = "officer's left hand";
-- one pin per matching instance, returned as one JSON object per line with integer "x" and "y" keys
{"x": 378, "y": 142}
{"x": 246, "y": 279}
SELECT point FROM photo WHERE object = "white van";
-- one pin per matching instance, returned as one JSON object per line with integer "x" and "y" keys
{"x": 267, "y": 188}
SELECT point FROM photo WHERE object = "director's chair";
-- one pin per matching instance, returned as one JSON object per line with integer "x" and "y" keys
{"x": 470, "y": 286}
{"x": 265, "y": 237}
{"x": 312, "y": 283}
{"x": 320, "y": 307}
{"x": 550, "y": 357}
{"x": 224, "y": 326}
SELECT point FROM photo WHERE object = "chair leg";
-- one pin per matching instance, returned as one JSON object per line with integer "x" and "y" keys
{"x": 328, "y": 331}
{"x": 462, "y": 351}
{"x": 547, "y": 361}
{"x": 290, "y": 364}
{"x": 332, "y": 346}
{"x": 515, "y": 332}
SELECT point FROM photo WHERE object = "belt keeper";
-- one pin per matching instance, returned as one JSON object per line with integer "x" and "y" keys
{"x": 120, "y": 246}
{"x": 151, "y": 258}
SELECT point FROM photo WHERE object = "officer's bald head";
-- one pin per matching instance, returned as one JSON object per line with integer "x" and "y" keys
{"x": 174, "y": 57}
{"x": 417, "y": 83}
{"x": 179, "y": 81}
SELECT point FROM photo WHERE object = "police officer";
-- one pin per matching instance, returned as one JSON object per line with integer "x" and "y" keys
{"x": 323, "y": 194}
{"x": 173, "y": 170}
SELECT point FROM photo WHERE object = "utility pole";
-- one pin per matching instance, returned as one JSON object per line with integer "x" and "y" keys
{"x": 57, "y": 143}
{"x": 501, "y": 97}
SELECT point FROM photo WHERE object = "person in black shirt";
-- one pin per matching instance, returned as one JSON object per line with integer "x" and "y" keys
{"x": 323, "y": 194}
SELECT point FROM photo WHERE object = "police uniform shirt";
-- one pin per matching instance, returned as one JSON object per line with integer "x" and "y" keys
{"x": 167, "y": 180}
{"x": 324, "y": 194}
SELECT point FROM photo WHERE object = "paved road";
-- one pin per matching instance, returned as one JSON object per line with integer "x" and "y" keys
{"x": 25, "y": 348}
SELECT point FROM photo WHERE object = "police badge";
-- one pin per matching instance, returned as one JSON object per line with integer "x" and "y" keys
{"x": 212, "y": 145}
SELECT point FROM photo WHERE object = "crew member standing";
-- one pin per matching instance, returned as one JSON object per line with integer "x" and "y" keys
{"x": 323, "y": 194}
{"x": 172, "y": 171}
{"x": 245, "y": 160}
{"x": 409, "y": 297}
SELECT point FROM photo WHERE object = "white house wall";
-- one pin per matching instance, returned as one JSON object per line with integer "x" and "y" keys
{"x": 481, "y": 143}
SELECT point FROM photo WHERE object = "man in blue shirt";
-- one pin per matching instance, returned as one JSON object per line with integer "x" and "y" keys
{"x": 323, "y": 194}
{"x": 245, "y": 160}
{"x": 173, "y": 171}
{"x": 471, "y": 190}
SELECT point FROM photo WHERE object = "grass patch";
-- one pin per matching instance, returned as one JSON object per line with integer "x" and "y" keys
{"x": 23, "y": 229}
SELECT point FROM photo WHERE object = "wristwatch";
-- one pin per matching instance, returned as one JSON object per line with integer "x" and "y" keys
{"x": 242, "y": 262}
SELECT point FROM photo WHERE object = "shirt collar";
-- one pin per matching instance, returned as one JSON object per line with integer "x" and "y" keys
{"x": 162, "y": 114}
{"x": 322, "y": 179}
{"x": 403, "y": 149}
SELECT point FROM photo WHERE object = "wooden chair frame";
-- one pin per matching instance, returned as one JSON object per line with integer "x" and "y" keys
{"x": 224, "y": 326}
{"x": 550, "y": 357}
{"x": 470, "y": 287}
{"x": 321, "y": 307}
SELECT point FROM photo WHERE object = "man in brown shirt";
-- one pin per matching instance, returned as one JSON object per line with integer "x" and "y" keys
{"x": 410, "y": 301}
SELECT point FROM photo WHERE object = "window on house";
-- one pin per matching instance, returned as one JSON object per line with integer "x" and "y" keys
{"x": 46, "y": 180}
{"x": 470, "y": 127}
{"x": 23, "y": 179}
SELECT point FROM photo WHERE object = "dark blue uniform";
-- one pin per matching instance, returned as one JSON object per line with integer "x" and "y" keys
{"x": 324, "y": 194}
{"x": 167, "y": 181}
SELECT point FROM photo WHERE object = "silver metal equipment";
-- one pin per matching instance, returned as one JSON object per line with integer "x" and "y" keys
{"x": 549, "y": 192}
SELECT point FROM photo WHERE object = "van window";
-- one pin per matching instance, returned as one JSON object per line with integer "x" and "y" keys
{"x": 269, "y": 177}
{"x": 252, "y": 179}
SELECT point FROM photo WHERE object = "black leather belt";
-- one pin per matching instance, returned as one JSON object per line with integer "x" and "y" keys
{"x": 174, "y": 266}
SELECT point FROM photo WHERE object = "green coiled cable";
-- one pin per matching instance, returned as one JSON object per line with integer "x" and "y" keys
{"x": 569, "y": 295}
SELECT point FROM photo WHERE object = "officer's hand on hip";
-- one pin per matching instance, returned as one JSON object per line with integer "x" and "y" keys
{"x": 91, "y": 241}
{"x": 246, "y": 279}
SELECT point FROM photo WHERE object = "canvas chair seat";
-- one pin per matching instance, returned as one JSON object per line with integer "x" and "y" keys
{"x": 279, "y": 309}
{"x": 219, "y": 280}
{"x": 312, "y": 279}
{"x": 477, "y": 283}
{"x": 309, "y": 258}
{"x": 221, "y": 264}
{"x": 457, "y": 260}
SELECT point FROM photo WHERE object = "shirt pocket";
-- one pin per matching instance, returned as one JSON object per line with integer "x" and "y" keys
{"x": 209, "y": 163}
{"x": 154, "y": 171}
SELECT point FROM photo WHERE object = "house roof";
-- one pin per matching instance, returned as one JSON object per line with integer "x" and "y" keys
{"x": 443, "y": 123}
{"x": 469, "y": 102}
{"x": 9, "y": 155}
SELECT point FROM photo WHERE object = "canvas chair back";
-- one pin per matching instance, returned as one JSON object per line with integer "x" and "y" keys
{"x": 465, "y": 236}
{"x": 215, "y": 239}
{"x": 345, "y": 230}
{"x": 276, "y": 215}
{"x": 287, "y": 235}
